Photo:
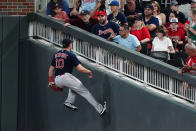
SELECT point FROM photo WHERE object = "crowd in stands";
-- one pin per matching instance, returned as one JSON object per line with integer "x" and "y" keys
{"x": 139, "y": 25}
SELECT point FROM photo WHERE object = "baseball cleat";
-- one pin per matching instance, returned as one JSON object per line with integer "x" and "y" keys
{"x": 104, "y": 109}
{"x": 71, "y": 106}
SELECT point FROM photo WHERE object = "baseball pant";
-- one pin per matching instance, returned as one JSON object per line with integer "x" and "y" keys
{"x": 76, "y": 87}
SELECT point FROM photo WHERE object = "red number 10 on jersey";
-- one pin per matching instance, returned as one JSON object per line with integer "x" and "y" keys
{"x": 59, "y": 63}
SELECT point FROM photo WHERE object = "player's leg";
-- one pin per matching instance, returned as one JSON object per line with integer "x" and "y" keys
{"x": 70, "y": 100}
{"x": 77, "y": 86}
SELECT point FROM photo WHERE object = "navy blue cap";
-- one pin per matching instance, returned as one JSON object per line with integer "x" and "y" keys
{"x": 116, "y": 3}
{"x": 84, "y": 12}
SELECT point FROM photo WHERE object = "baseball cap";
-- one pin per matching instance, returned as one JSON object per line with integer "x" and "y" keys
{"x": 56, "y": 5}
{"x": 174, "y": 3}
{"x": 84, "y": 12}
{"x": 149, "y": 6}
{"x": 101, "y": 12}
{"x": 174, "y": 20}
{"x": 116, "y": 3}
{"x": 193, "y": 1}
{"x": 66, "y": 42}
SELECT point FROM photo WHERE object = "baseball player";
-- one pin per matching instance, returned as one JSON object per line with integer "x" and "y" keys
{"x": 62, "y": 63}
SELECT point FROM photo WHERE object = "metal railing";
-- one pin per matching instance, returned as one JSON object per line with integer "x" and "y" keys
{"x": 115, "y": 61}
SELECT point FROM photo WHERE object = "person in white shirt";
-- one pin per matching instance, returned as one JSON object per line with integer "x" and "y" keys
{"x": 161, "y": 42}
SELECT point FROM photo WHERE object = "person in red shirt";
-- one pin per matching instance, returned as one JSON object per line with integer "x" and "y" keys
{"x": 176, "y": 34}
{"x": 190, "y": 65}
{"x": 141, "y": 32}
{"x": 58, "y": 14}
{"x": 173, "y": 15}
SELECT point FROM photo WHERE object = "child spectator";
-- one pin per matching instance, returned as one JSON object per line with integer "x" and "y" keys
{"x": 65, "y": 6}
{"x": 157, "y": 13}
{"x": 161, "y": 42}
{"x": 58, "y": 14}
{"x": 177, "y": 35}
{"x": 141, "y": 32}
{"x": 116, "y": 16}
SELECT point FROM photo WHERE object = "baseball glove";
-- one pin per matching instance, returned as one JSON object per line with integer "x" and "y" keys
{"x": 54, "y": 87}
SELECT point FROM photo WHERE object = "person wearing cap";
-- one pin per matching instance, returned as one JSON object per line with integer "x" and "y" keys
{"x": 107, "y": 7}
{"x": 141, "y": 32}
{"x": 127, "y": 40}
{"x": 150, "y": 21}
{"x": 105, "y": 29}
{"x": 58, "y": 14}
{"x": 177, "y": 35}
{"x": 65, "y": 6}
{"x": 85, "y": 22}
{"x": 91, "y": 5}
{"x": 175, "y": 8}
{"x": 132, "y": 10}
{"x": 193, "y": 4}
{"x": 116, "y": 16}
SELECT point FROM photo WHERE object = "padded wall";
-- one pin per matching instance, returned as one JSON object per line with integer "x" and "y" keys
{"x": 130, "y": 107}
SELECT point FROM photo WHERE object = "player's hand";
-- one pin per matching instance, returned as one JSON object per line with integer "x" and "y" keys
{"x": 90, "y": 74}
{"x": 180, "y": 72}
{"x": 53, "y": 86}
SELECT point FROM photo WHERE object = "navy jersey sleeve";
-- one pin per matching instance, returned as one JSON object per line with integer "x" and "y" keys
{"x": 53, "y": 63}
{"x": 156, "y": 21}
{"x": 124, "y": 19}
{"x": 75, "y": 61}
{"x": 48, "y": 12}
{"x": 94, "y": 30}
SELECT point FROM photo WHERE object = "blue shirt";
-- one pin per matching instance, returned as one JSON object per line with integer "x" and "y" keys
{"x": 104, "y": 31}
{"x": 65, "y": 7}
{"x": 119, "y": 19}
{"x": 88, "y": 4}
{"x": 64, "y": 61}
{"x": 130, "y": 42}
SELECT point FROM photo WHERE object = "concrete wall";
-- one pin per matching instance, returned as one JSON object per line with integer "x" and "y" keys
{"x": 11, "y": 30}
{"x": 130, "y": 107}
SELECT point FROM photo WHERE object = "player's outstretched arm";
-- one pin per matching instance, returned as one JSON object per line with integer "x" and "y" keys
{"x": 50, "y": 73}
{"x": 82, "y": 69}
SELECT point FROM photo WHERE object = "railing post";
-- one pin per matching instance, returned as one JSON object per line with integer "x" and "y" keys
{"x": 74, "y": 45}
{"x": 121, "y": 65}
{"x": 31, "y": 29}
{"x": 170, "y": 86}
{"x": 145, "y": 76}
{"x": 51, "y": 35}
{"x": 97, "y": 55}
{"x": 194, "y": 95}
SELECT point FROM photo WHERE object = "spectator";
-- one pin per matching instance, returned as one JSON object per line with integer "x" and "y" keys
{"x": 177, "y": 35}
{"x": 90, "y": 5}
{"x": 150, "y": 21}
{"x": 141, "y": 32}
{"x": 157, "y": 13}
{"x": 190, "y": 65}
{"x": 105, "y": 29}
{"x": 107, "y": 2}
{"x": 86, "y": 22}
{"x": 58, "y": 14}
{"x": 132, "y": 10}
{"x": 127, "y": 40}
{"x": 173, "y": 15}
{"x": 175, "y": 8}
{"x": 193, "y": 4}
{"x": 161, "y": 42}
{"x": 191, "y": 28}
{"x": 65, "y": 6}
{"x": 116, "y": 16}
